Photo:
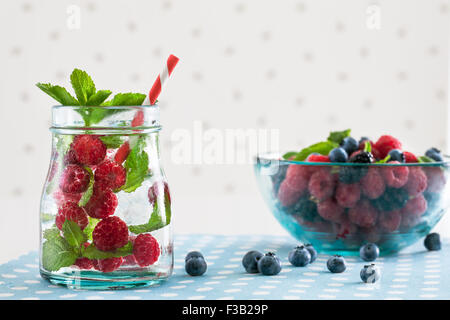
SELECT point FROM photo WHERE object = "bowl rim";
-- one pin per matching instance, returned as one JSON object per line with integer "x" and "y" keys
{"x": 267, "y": 157}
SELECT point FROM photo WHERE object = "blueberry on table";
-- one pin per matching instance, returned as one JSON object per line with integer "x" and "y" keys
{"x": 338, "y": 155}
{"x": 195, "y": 266}
{"x": 434, "y": 154}
{"x": 336, "y": 264}
{"x": 269, "y": 264}
{"x": 250, "y": 261}
{"x": 193, "y": 254}
{"x": 369, "y": 252}
{"x": 370, "y": 273}
{"x": 396, "y": 155}
{"x": 299, "y": 256}
{"x": 312, "y": 252}
{"x": 350, "y": 145}
{"x": 432, "y": 242}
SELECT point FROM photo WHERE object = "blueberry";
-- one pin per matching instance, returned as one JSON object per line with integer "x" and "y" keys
{"x": 269, "y": 264}
{"x": 434, "y": 154}
{"x": 338, "y": 155}
{"x": 195, "y": 266}
{"x": 391, "y": 199}
{"x": 370, "y": 273}
{"x": 432, "y": 242}
{"x": 250, "y": 261}
{"x": 312, "y": 252}
{"x": 305, "y": 208}
{"x": 396, "y": 155}
{"x": 299, "y": 256}
{"x": 193, "y": 254}
{"x": 350, "y": 145}
{"x": 363, "y": 139}
{"x": 369, "y": 252}
{"x": 336, "y": 264}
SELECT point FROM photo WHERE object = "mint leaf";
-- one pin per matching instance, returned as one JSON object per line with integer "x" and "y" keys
{"x": 338, "y": 136}
{"x": 367, "y": 146}
{"x": 136, "y": 166}
{"x": 126, "y": 99}
{"x": 423, "y": 159}
{"x": 321, "y": 147}
{"x": 90, "y": 228}
{"x": 73, "y": 234}
{"x": 46, "y": 217}
{"x": 289, "y": 154}
{"x": 58, "y": 93}
{"x": 91, "y": 252}
{"x": 83, "y": 86}
{"x": 56, "y": 254}
{"x": 386, "y": 159}
{"x": 51, "y": 233}
{"x": 155, "y": 222}
{"x": 112, "y": 142}
{"x": 98, "y": 98}
{"x": 88, "y": 193}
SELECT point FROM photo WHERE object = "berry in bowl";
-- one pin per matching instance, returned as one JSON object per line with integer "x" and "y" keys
{"x": 341, "y": 193}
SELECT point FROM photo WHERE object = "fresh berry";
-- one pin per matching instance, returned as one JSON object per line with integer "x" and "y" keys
{"x": 74, "y": 179}
{"x": 391, "y": 199}
{"x": 299, "y": 256}
{"x": 88, "y": 149}
{"x": 317, "y": 158}
{"x": 297, "y": 177}
{"x": 415, "y": 206}
{"x": 70, "y": 158}
{"x": 195, "y": 266}
{"x": 250, "y": 261}
{"x": 345, "y": 228}
{"x": 62, "y": 197}
{"x": 396, "y": 155}
{"x": 417, "y": 181}
{"x": 395, "y": 176}
{"x": 129, "y": 260}
{"x": 435, "y": 179}
{"x": 389, "y": 221}
{"x": 304, "y": 208}
{"x": 111, "y": 174}
{"x": 102, "y": 203}
{"x": 107, "y": 265}
{"x": 432, "y": 242}
{"x": 410, "y": 157}
{"x": 350, "y": 145}
{"x": 84, "y": 263}
{"x": 352, "y": 174}
{"x": 336, "y": 264}
{"x": 153, "y": 192}
{"x": 269, "y": 264}
{"x": 347, "y": 195}
{"x": 110, "y": 233}
{"x": 372, "y": 184}
{"x": 122, "y": 152}
{"x": 362, "y": 141}
{"x": 322, "y": 184}
{"x": 434, "y": 154}
{"x": 363, "y": 214}
{"x": 330, "y": 210}
{"x": 370, "y": 273}
{"x": 385, "y": 144}
{"x": 369, "y": 252}
{"x": 288, "y": 196}
{"x": 146, "y": 249}
{"x": 361, "y": 157}
{"x": 192, "y": 254}
{"x": 312, "y": 252}
{"x": 338, "y": 155}
{"x": 71, "y": 211}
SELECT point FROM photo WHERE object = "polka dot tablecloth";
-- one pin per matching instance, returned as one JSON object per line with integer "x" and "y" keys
{"x": 413, "y": 274}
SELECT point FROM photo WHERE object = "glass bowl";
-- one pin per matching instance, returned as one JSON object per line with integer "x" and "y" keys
{"x": 337, "y": 207}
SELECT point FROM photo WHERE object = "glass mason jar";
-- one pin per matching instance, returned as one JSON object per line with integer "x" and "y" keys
{"x": 105, "y": 207}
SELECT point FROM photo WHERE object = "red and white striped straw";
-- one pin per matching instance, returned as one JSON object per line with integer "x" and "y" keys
{"x": 161, "y": 79}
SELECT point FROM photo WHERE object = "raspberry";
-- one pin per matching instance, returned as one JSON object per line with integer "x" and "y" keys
{"x": 372, "y": 183}
{"x": 146, "y": 249}
{"x": 107, "y": 265}
{"x": 389, "y": 220}
{"x": 111, "y": 174}
{"x": 89, "y": 150}
{"x": 415, "y": 206}
{"x": 129, "y": 260}
{"x": 102, "y": 203}
{"x": 297, "y": 177}
{"x": 317, "y": 158}
{"x": 122, "y": 152}
{"x": 330, "y": 210}
{"x": 386, "y": 143}
{"x": 74, "y": 179}
{"x": 363, "y": 214}
{"x": 347, "y": 195}
{"x": 286, "y": 195}
{"x": 153, "y": 192}
{"x": 84, "y": 263}
{"x": 346, "y": 228}
{"x": 62, "y": 197}
{"x": 71, "y": 211}
{"x": 410, "y": 157}
{"x": 322, "y": 184}
{"x": 391, "y": 199}
{"x": 110, "y": 233}
{"x": 417, "y": 181}
{"x": 435, "y": 178}
{"x": 395, "y": 176}
{"x": 70, "y": 158}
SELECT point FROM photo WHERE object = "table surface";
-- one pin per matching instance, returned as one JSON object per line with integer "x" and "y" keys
{"x": 412, "y": 274}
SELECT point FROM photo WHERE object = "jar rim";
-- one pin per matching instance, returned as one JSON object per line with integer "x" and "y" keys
{"x": 154, "y": 106}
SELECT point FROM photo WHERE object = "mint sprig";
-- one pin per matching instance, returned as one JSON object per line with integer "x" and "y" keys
{"x": 112, "y": 142}
{"x": 338, "y": 136}
{"x": 156, "y": 221}
{"x": 91, "y": 252}
{"x": 73, "y": 234}
{"x": 136, "y": 166}
{"x": 90, "y": 190}
{"x": 57, "y": 254}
